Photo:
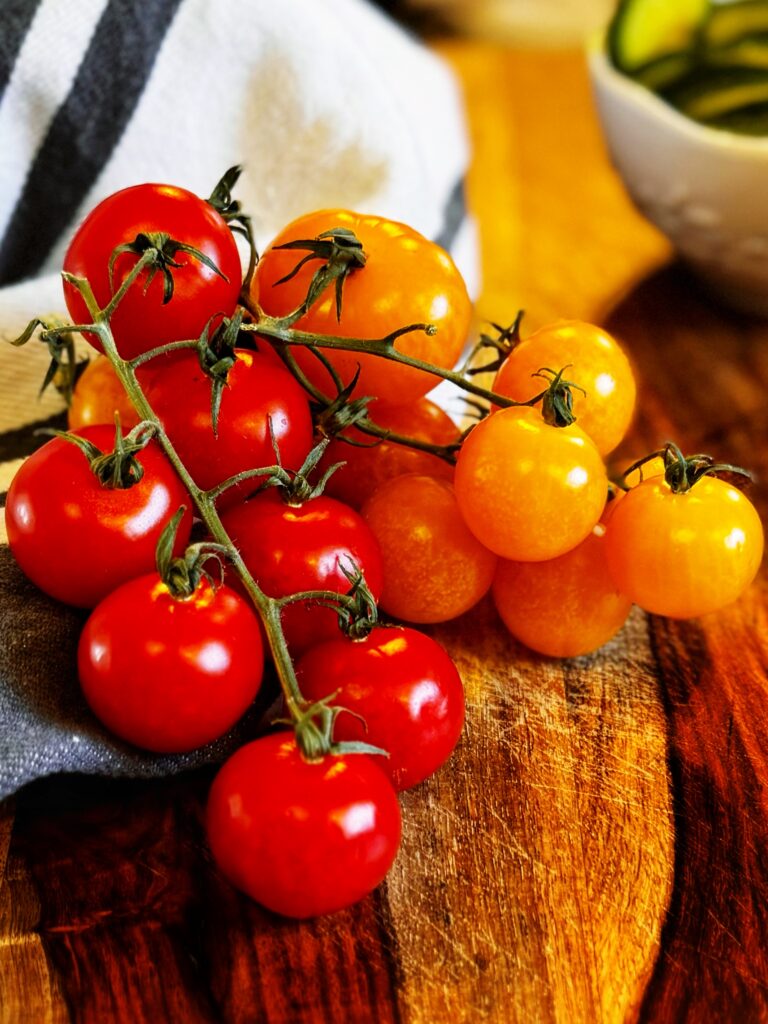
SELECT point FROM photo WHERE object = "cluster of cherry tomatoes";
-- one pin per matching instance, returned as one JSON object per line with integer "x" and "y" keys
{"x": 169, "y": 659}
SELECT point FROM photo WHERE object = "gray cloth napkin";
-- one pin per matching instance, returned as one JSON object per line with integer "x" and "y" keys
{"x": 45, "y": 724}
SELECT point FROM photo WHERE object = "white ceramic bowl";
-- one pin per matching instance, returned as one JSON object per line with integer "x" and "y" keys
{"x": 706, "y": 189}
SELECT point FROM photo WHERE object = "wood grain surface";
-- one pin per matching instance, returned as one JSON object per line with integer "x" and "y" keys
{"x": 595, "y": 850}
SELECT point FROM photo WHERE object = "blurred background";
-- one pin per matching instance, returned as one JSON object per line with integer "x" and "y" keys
{"x": 527, "y": 22}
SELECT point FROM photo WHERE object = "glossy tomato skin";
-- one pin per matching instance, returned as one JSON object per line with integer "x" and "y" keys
{"x": 301, "y": 838}
{"x": 77, "y": 540}
{"x": 289, "y": 549}
{"x": 404, "y": 687}
{"x": 97, "y": 396}
{"x": 566, "y": 606}
{"x": 170, "y": 675}
{"x": 594, "y": 360}
{"x": 683, "y": 555}
{"x": 527, "y": 490}
{"x": 258, "y": 391}
{"x": 434, "y": 567}
{"x": 367, "y": 468}
{"x": 407, "y": 279}
{"x": 141, "y": 320}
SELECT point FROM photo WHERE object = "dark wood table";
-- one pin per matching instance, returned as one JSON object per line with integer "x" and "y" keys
{"x": 596, "y": 849}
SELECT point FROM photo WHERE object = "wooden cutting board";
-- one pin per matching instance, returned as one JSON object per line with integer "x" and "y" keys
{"x": 595, "y": 851}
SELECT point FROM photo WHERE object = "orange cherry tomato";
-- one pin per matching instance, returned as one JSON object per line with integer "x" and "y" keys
{"x": 527, "y": 490}
{"x": 98, "y": 395}
{"x": 597, "y": 364}
{"x": 366, "y": 468}
{"x": 684, "y": 554}
{"x": 434, "y": 569}
{"x": 565, "y": 606}
{"x": 407, "y": 279}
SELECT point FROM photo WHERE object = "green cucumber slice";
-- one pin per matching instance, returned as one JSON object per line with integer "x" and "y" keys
{"x": 641, "y": 31}
{"x": 728, "y": 22}
{"x": 706, "y": 95}
{"x": 749, "y": 52}
{"x": 665, "y": 71}
{"x": 752, "y": 120}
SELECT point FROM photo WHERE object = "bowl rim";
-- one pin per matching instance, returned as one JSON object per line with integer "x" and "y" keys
{"x": 604, "y": 72}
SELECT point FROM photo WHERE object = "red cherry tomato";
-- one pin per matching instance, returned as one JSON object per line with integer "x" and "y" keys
{"x": 170, "y": 674}
{"x": 407, "y": 279}
{"x": 259, "y": 391}
{"x": 78, "y": 540}
{"x": 302, "y": 838}
{"x": 366, "y": 468}
{"x": 291, "y": 548}
{"x": 142, "y": 321}
{"x": 405, "y": 688}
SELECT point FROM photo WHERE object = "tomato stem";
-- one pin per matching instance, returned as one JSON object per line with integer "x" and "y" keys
{"x": 268, "y": 608}
{"x": 275, "y": 329}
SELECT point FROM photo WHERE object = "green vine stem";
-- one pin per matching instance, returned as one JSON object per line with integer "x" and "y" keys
{"x": 269, "y": 608}
{"x": 356, "y": 414}
{"x": 277, "y": 329}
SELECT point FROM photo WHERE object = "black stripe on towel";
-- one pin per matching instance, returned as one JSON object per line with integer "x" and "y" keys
{"x": 453, "y": 216}
{"x": 85, "y": 130}
{"x": 22, "y": 441}
{"x": 15, "y": 18}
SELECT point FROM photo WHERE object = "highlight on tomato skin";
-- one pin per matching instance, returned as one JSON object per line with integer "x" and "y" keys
{"x": 595, "y": 362}
{"x": 564, "y": 607}
{"x": 684, "y": 554}
{"x": 434, "y": 567}
{"x": 302, "y": 838}
{"x": 529, "y": 491}
{"x": 170, "y": 674}
{"x": 400, "y": 691}
{"x": 407, "y": 279}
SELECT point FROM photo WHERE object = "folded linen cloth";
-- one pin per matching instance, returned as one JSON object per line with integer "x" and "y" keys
{"x": 325, "y": 105}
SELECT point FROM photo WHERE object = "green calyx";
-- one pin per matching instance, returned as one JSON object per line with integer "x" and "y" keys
{"x": 231, "y": 210}
{"x": 340, "y": 252}
{"x": 683, "y": 472}
{"x": 182, "y": 574}
{"x": 557, "y": 399}
{"x": 295, "y": 486}
{"x": 358, "y": 614}
{"x": 165, "y": 250}
{"x": 118, "y": 469}
{"x": 216, "y": 355}
{"x": 314, "y": 732}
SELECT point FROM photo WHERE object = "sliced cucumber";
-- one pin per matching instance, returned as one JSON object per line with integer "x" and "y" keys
{"x": 750, "y": 52}
{"x": 644, "y": 30}
{"x": 752, "y": 120}
{"x": 707, "y": 95}
{"x": 665, "y": 71}
{"x": 728, "y": 22}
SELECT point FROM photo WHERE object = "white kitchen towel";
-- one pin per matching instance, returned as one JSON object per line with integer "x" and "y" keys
{"x": 325, "y": 103}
